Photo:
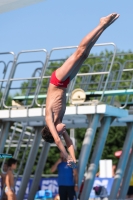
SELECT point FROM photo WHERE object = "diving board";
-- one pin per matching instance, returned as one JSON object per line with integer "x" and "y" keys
{"x": 110, "y": 92}
{"x": 89, "y": 94}
{"x": 21, "y": 98}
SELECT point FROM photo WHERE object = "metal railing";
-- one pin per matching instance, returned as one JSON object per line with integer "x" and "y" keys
{"x": 11, "y": 77}
{"x": 106, "y": 77}
{"x": 4, "y": 73}
{"x": 5, "y": 93}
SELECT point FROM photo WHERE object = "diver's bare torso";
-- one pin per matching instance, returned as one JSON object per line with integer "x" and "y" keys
{"x": 56, "y": 102}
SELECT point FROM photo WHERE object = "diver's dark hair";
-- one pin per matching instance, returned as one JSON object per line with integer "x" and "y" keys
{"x": 11, "y": 161}
{"x": 46, "y": 135}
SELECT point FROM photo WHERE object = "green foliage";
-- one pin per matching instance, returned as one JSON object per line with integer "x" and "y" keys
{"x": 9, "y": 101}
{"x": 79, "y": 134}
{"x": 53, "y": 156}
{"x": 114, "y": 142}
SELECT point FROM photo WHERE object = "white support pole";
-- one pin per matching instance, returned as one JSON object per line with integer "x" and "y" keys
{"x": 87, "y": 145}
{"x": 122, "y": 162}
{"x": 29, "y": 164}
{"x": 126, "y": 177}
{"x": 72, "y": 136}
{"x": 4, "y": 135}
{"x": 39, "y": 170}
{"x": 98, "y": 149}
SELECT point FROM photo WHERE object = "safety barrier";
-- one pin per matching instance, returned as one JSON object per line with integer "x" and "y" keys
{"x": 38, "y": 85}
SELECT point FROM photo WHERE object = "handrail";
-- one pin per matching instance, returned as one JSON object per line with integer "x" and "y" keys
{"x": 10, "y": 79}
{"x": 83, "y": 84}
{"x": 84, "y": 74}
{"x": 111, "y": 65}
{"x": 110, "y": 75}
{"x": 131, "y": 84}
{"x": 4, "y": 72}
{"x": 48, "y": 60}
{"x": 117, "y": 81}
{"x": 5, "y": 94}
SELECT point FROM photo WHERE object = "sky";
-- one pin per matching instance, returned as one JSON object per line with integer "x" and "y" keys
{"x": 59, "y": 23}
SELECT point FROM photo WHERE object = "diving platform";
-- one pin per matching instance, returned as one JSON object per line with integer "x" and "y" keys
{"x": 75, "y": 116}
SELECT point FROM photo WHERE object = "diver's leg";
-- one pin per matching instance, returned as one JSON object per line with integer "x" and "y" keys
{"x": 77, "y": 58}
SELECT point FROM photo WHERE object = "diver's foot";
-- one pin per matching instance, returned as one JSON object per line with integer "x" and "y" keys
{"x": 108, "y": 20}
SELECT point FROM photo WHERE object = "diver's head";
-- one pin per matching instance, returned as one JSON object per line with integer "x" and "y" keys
{"x": 46, "y": 135}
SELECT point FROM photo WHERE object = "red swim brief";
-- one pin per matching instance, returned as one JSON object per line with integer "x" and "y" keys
{"x": 57, "y": 82}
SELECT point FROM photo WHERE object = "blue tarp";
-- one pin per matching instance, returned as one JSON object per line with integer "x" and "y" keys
{"x": 49, "y": 186}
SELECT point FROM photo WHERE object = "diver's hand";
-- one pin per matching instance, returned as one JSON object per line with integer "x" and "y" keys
{"x": 71, "y": 163}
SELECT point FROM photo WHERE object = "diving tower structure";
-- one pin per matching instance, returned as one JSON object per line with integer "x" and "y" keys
{"x": 99, "y": 98}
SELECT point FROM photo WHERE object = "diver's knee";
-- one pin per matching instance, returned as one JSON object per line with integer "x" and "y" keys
{"x": 82, "y": 53}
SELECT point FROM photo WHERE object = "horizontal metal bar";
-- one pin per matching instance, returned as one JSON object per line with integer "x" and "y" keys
{"x": 127, "y": 70}
{"x": 34, "y": 50}
{"x": 105, "y": 44}
{"x": 20, "y": 79}
{"x": 24, "y": 145}
{"x": 27, "y": 127}
{"x": 33, "y": 78}
{"x": 80, "y": 74}
{"x": 63, "y": 48}
{"x": 23, "y": 140}
{"x": 20, "y": 130}
{"x": 7, "y": 53}
{"x": 91, "y": 73}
